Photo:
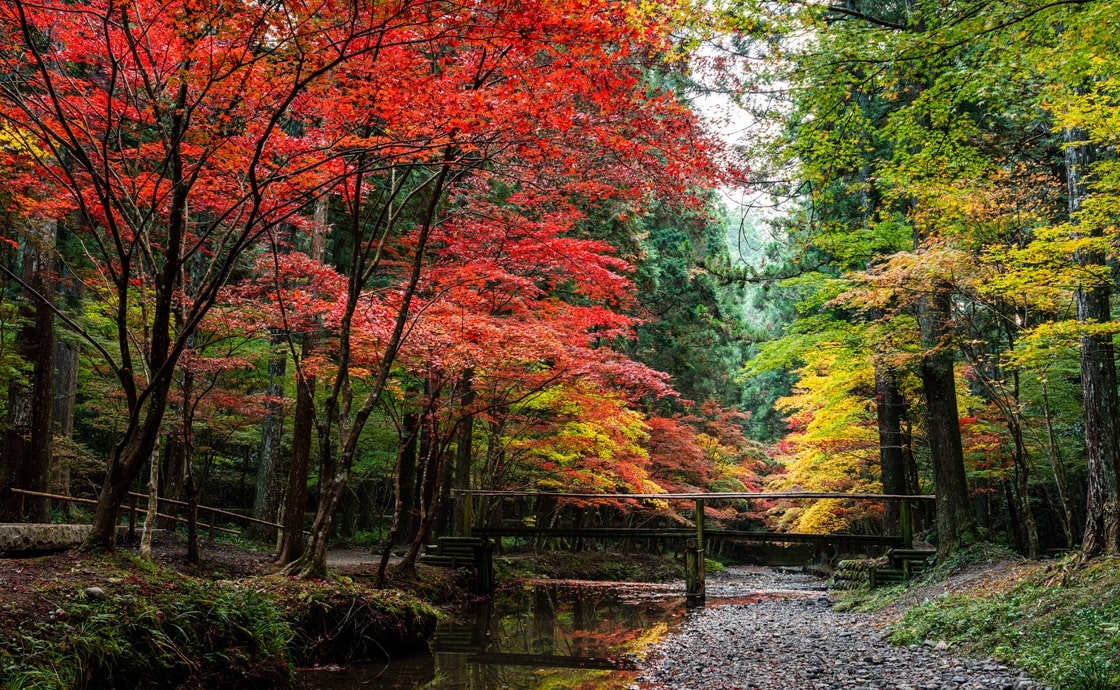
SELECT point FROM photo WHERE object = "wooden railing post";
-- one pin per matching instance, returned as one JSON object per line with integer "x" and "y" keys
{"x": 132, "y": 520}
{"x": 468, "y": 518}
{"x": 904, "y": 524}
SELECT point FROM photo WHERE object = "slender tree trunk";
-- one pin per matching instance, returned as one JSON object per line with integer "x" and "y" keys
{"x": 295, "y": 496}
{"x": 153, "y": 506}
{"x": 404, "y": 484}
{"x": 405, "y": 516}
{"x": 1022, "y": 489}
{"x": 1061, "y": 478}
{"x": 463, "y": 450}
{"x": 65, "y": 393}
{"x": 66, "y": 362}
{"x": 267, "y": 498}
{"x": 433, "y": 472}
{"x": 303, "y": 429}
{"x": 956, "y": 524}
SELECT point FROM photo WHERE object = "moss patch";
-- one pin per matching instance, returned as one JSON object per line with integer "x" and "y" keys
{"x": 150, "y": 625}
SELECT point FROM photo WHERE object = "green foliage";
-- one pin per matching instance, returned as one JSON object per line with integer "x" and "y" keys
{"x": 698, "y": 335}
{"x": 1059, "y": 624}
{"x": 1093, "y": 674}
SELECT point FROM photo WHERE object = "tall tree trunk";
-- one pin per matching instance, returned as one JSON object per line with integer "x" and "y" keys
{"x": 1098, "y": 379}
{"x": 303, "y": 428}
{"x": 956, "y": 524}
{"x": 432, "y": 459}
{"x": 267, "y": 498}
{"x": 66, "y": 363}
{"x": 405, "y": 514}
{"x": 889, "y": 407}
{"x": 1022, "y": 489}
{"x": 28, "y": 440}
{"x": 295, "y": 495}
{"x": 65, "y": 393}
{"x": 403, "y": 490}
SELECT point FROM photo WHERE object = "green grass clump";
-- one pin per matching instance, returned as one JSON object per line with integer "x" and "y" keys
{"x": 154, "y": 626}
{"x": 1062, "y": 624}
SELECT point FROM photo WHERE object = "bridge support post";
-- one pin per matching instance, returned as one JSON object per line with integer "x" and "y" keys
{"x": 694, "y": 559}
{"x": 484, "y": 566}
{"x": 694, "y": 573}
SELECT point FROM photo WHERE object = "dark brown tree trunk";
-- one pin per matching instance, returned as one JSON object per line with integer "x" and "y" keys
{"x": 1028, "y": 525}
{"x": 27, "y": 443}
{"x": 403, "y": 490}
{"x": 266, "y": 502}
{"x": 295, "y": 496}
{"x": 65, "y": 393}
{"x": 404, "y": 518}
{"x": 432, "y": 458}
{"x": 889, "y": 407}
{"x": 956, "y": 525}
{"x": 461, "y": 478}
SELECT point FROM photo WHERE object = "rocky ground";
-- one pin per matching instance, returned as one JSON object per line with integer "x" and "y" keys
{"x": 789, "y": 638}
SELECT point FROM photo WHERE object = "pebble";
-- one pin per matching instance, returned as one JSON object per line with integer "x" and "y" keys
{"x": 799, "y": 642}
{"x": 95, "y": 594}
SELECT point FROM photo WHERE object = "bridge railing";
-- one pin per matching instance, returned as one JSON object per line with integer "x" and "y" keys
{"x": 694, "y": 553}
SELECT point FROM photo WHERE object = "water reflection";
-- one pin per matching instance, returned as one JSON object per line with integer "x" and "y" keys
{"x": 542, "y": 636}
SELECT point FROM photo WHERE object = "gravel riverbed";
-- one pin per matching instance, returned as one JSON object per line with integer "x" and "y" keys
{"x": 771, "y": 630}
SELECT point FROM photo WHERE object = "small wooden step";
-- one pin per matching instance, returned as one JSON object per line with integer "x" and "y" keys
{"x": 885, "y": 576}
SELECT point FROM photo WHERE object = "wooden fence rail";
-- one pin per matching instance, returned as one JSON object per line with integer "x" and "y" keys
{"x": 134, "y": 510}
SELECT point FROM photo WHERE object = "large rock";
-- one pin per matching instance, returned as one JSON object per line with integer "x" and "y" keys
{"x": 16, "y": 537}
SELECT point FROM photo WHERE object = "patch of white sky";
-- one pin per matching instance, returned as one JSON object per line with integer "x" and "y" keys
{"x": 742, "y": 103}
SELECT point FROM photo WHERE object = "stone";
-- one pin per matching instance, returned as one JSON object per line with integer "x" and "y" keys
{"x": 96, "y": 594}
{"x": 31, "y": 537}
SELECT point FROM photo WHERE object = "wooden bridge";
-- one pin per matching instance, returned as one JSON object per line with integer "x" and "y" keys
{"x": 475, "y": 546}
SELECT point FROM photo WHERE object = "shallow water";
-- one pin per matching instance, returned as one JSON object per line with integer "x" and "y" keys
{"x": 549, "y": 635}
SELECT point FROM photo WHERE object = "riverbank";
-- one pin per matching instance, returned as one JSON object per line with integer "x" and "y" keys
{"x": 73, "y": 620}
{"x": 985, "y": 620}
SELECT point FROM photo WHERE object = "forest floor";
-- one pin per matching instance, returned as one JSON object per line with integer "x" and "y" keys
{"x": 22, "y": 577}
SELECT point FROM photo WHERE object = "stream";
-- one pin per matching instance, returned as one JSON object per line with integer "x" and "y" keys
{"x": 560, "y": 635}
